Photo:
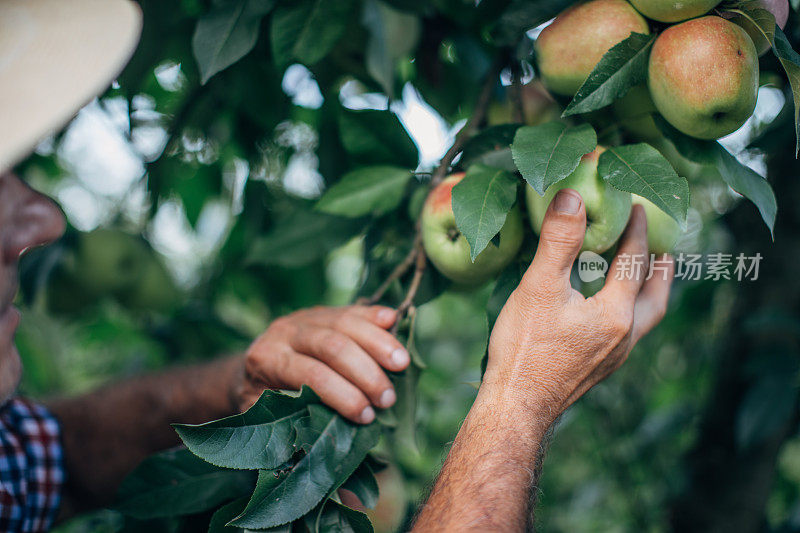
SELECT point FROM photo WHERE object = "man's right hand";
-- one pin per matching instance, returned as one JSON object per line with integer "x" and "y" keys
{"x": 550, "y": 344}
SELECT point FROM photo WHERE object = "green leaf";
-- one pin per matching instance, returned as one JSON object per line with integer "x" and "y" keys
{"x": 335, "y": 447}
{"x": 791, "y": 63}
{"x": 226, "y": 34}
{"x": 641, "y": 169}
{"x": 622, "y": 67}
{"x": 749, "y": 184}
{"x": 549, "y": 153}
{"x": 333, "y": 517}
{"x": 307, "y": 30}
{"x": 369, "y": 190}
{"x": 767, "y": 407}
{"x": 300, "y": 239}
{"x": 481, "y": 201}
{"x": 364, "y": 485}
{"x": 175, "y": 483}
{"x": 377, "y": 138}
{"x": 228, "y": 512}
{"x": 260, "y": 438}
{"x": 392, "y": 35}
{"x": 491, "y": 147}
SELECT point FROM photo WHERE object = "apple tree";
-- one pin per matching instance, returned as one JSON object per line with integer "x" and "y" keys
{"x": 624, "y": 102}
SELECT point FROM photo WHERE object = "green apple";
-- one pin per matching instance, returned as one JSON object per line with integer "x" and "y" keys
{"x": 663, "y": 231}
{"x": 703, "y": 76}
{"x": 449, "y": 250}
{"x": 568, "y": 49}
{"x": 778, "y": 8}
{"x": 674, "y": 10}
{"x": 607, "y": 208}
{"x": 684, "y": 167}
{"x": 634, "y": 113}
{"x": 108, "y": 261}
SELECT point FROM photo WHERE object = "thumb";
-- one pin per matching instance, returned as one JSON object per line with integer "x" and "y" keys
{"x": 561, "y": 237}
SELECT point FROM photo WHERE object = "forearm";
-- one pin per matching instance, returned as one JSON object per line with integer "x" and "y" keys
{"x": 487, "y": 480}
{"x": 106, "y": 433}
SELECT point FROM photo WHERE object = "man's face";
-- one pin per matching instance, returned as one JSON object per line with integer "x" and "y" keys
{"x": 27, "y": 219}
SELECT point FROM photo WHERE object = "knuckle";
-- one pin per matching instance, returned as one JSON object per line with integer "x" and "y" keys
{"x": 334, "y": 343}
{"x": 621, "y": 324}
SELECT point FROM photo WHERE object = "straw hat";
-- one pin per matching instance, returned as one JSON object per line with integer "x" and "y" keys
{"x": 55, "y": 56}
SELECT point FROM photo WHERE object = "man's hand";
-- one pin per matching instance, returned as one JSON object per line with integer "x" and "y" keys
{"x": 548, "y": 347}
{"x": 340, "y": 352}
{"x": 550, "y": 344}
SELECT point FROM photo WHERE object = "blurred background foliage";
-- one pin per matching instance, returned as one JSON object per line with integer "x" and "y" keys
{"x": 192, "y": 226}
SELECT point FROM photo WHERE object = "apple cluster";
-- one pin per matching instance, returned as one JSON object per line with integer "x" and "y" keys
{"x": 607, "y": 212}
{"x": 703, "y": 68}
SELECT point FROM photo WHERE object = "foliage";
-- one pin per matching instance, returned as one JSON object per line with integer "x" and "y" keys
{"x": 320, "y": 199}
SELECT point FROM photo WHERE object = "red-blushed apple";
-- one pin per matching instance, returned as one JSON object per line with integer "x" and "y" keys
{"x": 673, "y": 10}
{"x": 568, "y": 49}
{"x": 449, "y": 250}
{"x": 607, "y": 208}
{"x": 703, "y": 76}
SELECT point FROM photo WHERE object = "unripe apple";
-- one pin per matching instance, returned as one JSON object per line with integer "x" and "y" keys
{"x": 607, "y": 208}
{"x": 703, "y": 76}
{"x": 663, "y": 231}
{"x": 568, "y": 49}
{"x": 778, "y": 8}
{"x": 674, "y": 10}
{"x": 449, "y": 250}
{"x": 634, "y": 112}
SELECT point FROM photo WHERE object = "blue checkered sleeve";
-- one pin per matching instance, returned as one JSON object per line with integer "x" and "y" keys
{"x": 31, "y": 467}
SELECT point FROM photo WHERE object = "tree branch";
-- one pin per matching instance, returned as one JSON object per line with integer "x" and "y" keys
{"x": 469, "y": 128}
{"x": 417, "y": 255}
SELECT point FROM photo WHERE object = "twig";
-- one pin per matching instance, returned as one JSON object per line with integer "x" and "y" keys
{"x": 396, "y": 274}
{"x": 419, "y": 269}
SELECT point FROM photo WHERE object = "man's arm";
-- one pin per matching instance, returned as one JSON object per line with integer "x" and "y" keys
{"x": 340, "y": 352}
{"x": 487, "y": 480}
{"x": 548, "y": 347}
{"x": 106, "y": 433}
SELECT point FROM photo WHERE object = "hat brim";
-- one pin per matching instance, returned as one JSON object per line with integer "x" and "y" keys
{"x": 55, "y": 56}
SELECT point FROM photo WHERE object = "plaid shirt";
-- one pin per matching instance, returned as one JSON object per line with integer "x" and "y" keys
{"x": 31, "y": 467}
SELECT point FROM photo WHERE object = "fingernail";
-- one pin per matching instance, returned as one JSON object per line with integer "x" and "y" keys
{"x": 400, "y": 357}
{"x": 388, "y": 398}
{"x": 386, "y": 315}
{"x": 367, "y": 415}
{"x": 567, "y": 201}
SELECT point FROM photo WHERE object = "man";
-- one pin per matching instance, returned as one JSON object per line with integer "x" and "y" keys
{"x": 549, "y": 345}
{"x": 54, "y": 57}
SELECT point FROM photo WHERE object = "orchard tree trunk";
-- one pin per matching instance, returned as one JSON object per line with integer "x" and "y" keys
{"x": 727, "y": 487}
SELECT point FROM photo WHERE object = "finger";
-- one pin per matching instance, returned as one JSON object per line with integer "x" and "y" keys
{"x": 381, "y": 345}
{"x": 651, "y": 304}
{"x": 560, "y": 240}
{"x": 629, "y": 268}
{"x": 345, "y": 356}
{"x": 383, "y": 317}
{"x": 333, "y": 389}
